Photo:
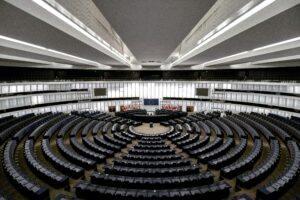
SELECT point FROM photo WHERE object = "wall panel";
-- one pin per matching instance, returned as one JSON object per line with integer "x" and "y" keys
{"x": 285, "y": 95}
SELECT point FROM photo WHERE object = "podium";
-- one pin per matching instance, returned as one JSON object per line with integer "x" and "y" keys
{"x": 151, "y": 124}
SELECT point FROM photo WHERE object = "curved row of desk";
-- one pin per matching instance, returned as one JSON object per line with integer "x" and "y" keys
{"x": 84, "y": 155}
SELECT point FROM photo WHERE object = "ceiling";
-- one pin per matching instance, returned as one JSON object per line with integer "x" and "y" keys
{"x": 290, "y": 52}
{"x": 278, "y": 28}
{"x": 151, "y": 29}
{"x": 19, "y": 53}
{"x": 20, "y": 25}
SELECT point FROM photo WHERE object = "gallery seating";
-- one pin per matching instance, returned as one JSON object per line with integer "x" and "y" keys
{"x": 250, "y": 130}
{"x": 114, "y": 141}
{"x": 180, "y": 137}
{"x": 292, "y": 128}
{"x": 280, "y": 132}
{"x": 16, "y": 175}
{"x": 95, "y": 147}
{"x": 106, "y": 127}
{"x": 151, "y": 157}
{"x": 151, "y": 164}
{"x": 231, "y": 156}
{"x": 198, "y": 144}
{"x": 217, "y": 123}
{"x": 44, "y": 127}
{"x": 262, "y": 170}
{"x": 196, "y": 127}
{"x": 187, "y": 141}
{"x": 151, "y": 151}
{"x": 68, "y": 126}
{"x": 280, "y": 183}
{"x": 54, "y": 178}
{"x": 73, "y": 156}
{"x": 80, "y": 156}
{"x": 88, "y": 127}
{"x": 209, "y": 147}
{"x": 235, "y": 127}
{"x": 218, "y": 151}
{"x": 215, "y": 191}
{"x": 18, "y": 123}
{"x": 98, "y": 127}
{"x": 60, "y": 163}
{"x": 265, "y": 132}
{"x": 152, "y": 182}
{"x": 246, "y": 163}
{"x": 22, "y": 181}
{"x": 150, "y": 118}
{"x": 106, "y": 144}
{"x": 122, "y": 138}
{"x": 151, "y": 146}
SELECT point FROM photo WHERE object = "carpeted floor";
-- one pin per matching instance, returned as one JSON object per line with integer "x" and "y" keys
{"x": 146, "y": 130}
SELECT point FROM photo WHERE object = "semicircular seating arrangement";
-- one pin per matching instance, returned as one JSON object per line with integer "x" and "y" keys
{"x": 94, "y": 155}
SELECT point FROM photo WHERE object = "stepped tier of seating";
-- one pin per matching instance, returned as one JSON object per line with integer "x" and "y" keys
{"x": 160, "y": 115}
{"x": 95, "y": 155}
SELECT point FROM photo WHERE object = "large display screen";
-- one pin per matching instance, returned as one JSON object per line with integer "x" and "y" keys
{"x": 99, "y": 92}
{"x": 151, "y": 102}
{"x": 201, "y": 91}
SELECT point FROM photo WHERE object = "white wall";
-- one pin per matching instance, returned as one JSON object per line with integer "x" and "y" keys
{"x": 153, "y": 89}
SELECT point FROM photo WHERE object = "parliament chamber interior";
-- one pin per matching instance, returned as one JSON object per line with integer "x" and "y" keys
{"x": 149, "y": 99}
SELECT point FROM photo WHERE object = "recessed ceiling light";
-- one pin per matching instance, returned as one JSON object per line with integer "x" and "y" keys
{"x": 27, "y": 44}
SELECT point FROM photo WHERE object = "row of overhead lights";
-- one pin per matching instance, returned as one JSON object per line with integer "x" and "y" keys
{"x": 277, "y": 44}
{"x": 37, "y": 47}
{"x": 62, "y": 14}
{"x": 222, "y": 28}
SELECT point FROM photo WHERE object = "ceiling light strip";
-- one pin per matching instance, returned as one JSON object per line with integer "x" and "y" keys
{"x": 24, "y": 59}
{"x": 231, "y": 25}
{"x": 41, "y": 50}
{"x": 277, "y": 44}
{"x": 271, "y": 48}
{"x": 90, "y": 34}
{"x": 280, "y": 59}
{"x": 227, "y": 57}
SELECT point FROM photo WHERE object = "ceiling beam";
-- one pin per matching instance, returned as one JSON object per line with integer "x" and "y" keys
{"x": 40, "y": 50}
{"x": 276, "y": 60}
{"x": 68, "y": 23}
{"x": 268, "y": 49}
{"x": 259, "y": 13}
{"x": 22, "y": 59}
{"x": 250, "y": 65}
{"x": 17, "y": 61}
